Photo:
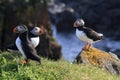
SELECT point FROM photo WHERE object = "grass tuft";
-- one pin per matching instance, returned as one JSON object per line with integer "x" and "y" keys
{"x": 11, "y": 69}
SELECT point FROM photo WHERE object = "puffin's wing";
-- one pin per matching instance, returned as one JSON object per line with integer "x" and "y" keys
{"x": 31, "y": 52}
{"x": 93, "y": 34}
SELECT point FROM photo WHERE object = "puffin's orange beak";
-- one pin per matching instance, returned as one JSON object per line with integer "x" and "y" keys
{"x": 14, "y": 30}
{"x": 75, "y": 24}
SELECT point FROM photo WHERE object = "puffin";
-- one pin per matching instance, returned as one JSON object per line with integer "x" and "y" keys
{"x": 34, "y": 36}
{"x": 85, "y": 34}
{"x": 24, "y": 44}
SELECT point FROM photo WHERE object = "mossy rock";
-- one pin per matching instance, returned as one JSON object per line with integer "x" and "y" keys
{"x": 99, "y": 58}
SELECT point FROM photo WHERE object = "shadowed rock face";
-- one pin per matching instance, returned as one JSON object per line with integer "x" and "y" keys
{"x": 99, "y": 58}
{"x": 49, "y": 48}
{"x": 102, "y": 15}
{"x": 117, "y": 52}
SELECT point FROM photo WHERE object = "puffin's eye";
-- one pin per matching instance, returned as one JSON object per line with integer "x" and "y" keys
{"x": 35, "y": 28}
{"x": 20, "y": 27}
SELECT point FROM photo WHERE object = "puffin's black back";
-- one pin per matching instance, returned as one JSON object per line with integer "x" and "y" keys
{"x": 28, "y": 47}
{"x": 90, "y": 33}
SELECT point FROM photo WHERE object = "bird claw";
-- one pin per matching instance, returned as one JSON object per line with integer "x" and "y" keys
{"x": 87, "y": 47}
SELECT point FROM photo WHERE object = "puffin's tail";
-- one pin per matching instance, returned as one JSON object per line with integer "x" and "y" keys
{"x": 36, "y": 58}
{"x": 100, "y": 36}
{"x": 11, "y": 47}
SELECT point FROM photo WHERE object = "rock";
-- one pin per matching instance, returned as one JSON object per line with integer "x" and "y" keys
{"x": 49, "y": 48}
{"x": 114, "y": 55}
{"x": 100, "y": 59}
{"x": 61, "y": 15}
{"x": 56, "y": 51}
{"x": 65, "y": 21}
{"x": 117, "y": 52}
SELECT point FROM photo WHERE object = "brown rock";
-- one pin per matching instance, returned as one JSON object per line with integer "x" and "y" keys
{"x": 100, "y": 59}
{"x": 49, "y": 48}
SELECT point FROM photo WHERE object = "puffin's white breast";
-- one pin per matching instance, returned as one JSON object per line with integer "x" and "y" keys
{"x": 82, "y": 36}
{"x": 35, "y": 41}
{"x": 19, "y": 46}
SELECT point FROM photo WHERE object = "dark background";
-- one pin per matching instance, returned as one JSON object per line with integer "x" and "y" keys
{"x": 14, "y": 12}
{"x": 101, "y": 15}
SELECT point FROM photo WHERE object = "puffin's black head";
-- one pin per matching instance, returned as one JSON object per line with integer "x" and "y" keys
{"x": 37, "y": 31}
{"x": 20, "y": 29}
{"x": 79, "y": 23}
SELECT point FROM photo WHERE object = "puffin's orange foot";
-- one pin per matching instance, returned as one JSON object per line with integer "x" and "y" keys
{"x": 23, "y": 62}
{"x": 87, "y": 47}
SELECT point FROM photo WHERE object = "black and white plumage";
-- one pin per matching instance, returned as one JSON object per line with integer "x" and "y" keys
{"x": 34, "y": 36}
{"x": 86, "y": 34}
{"x": 24, "y": 44}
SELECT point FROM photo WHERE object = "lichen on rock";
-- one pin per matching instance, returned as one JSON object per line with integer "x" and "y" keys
{"x": 99, "y": 58}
